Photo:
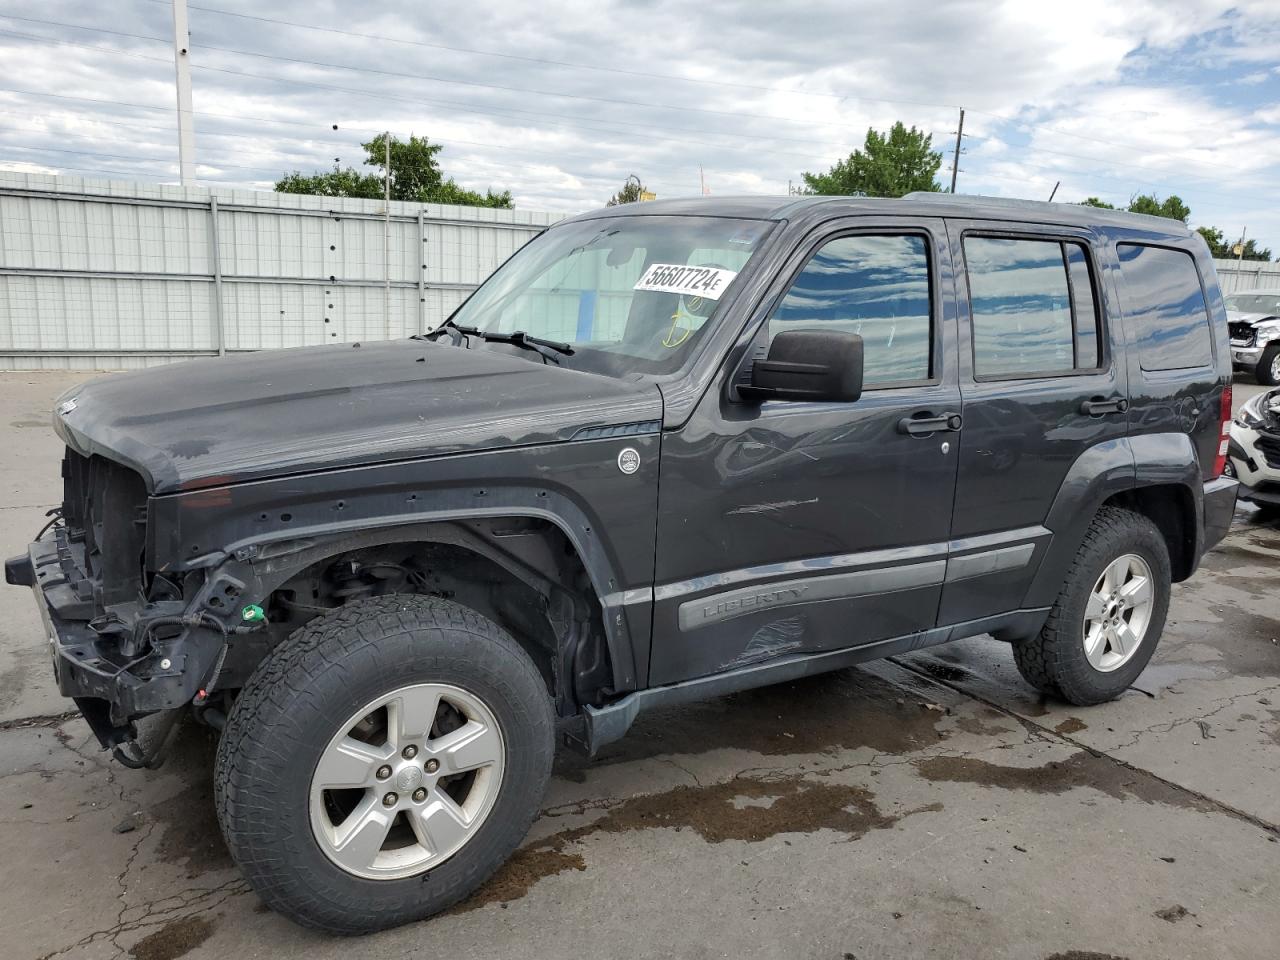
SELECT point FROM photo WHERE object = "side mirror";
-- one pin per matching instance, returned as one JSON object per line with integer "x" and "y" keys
{"x": 808, "y": 365}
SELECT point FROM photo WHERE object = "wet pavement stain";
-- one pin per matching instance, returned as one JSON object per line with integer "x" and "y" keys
{"x": 1071, "y": 725}
{"x": 746, "y": 808}
{"x": 517, "y": 876}
{"x": 1081, "y": 769}
{"x": 190, "y": 836}
{"x": 844, "y": 709}
{"x": 173, "y": 940}
{"x": 1174, "y": 914}
{"x": 1084, "y": 955}
{"x": 1274, "y": 732}
{"x": 1244, "y": 638}
{"x": 980, "y": 728}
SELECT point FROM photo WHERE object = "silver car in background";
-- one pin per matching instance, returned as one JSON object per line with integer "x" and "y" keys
{"x": 1253, "y": 317}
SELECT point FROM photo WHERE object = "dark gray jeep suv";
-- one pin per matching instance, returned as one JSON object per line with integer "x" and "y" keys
{"x": 667, "y": 451}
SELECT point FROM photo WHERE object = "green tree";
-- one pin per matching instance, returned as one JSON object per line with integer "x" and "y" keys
{"x": 1213, "y": 239}
{"x": 631, "y": 192}
{"x": 1171, "y": 207}
{"x": 1095, "y": 202}
{"x": 1223, "y": 249}
{"x": 416, "y": 177}
{"x": 888, "y": 165}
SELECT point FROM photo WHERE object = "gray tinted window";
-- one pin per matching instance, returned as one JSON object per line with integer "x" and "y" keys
{"x": 1164, "y": 300}
{"x": 876, "y": 287}
{"x": 1087, "y": 328}
{"x": 1020, "y": 303}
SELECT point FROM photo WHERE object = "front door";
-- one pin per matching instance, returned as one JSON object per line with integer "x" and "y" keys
{"x": 791, "y": 527}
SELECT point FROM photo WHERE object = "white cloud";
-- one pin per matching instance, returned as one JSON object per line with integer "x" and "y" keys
{"x": 1108, "y": 98}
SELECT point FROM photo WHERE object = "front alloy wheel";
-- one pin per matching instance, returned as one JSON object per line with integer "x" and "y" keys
{"x": 406, "y": 781}
{"x": 382, "y": 762}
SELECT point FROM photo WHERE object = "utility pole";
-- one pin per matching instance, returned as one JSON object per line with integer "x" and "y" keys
{"x": 386, "y": 227}
{"x": 955, "y": 159}
{"x": 186, "y": 120}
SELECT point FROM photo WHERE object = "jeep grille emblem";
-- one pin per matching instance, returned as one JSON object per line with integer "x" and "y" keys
{"x": 629, "y": 460}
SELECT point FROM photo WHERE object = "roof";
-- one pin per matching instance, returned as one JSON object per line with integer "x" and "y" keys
{"x": 918, "y": 204}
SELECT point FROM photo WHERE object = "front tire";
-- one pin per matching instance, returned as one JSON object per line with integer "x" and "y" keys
{"x": 1108, "y": 617}
{"x": 1267, "y": 371}
{"x": 383, "y": 762}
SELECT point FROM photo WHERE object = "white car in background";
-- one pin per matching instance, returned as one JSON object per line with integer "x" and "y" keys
{"x": 1253, "y": 317}
{"x": 1253, "y": 452}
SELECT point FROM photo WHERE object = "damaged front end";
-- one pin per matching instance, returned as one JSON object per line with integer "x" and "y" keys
{"x": 126, "y": 641}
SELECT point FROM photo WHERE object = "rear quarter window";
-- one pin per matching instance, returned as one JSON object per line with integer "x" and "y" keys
{"x": 1166, "y": 307}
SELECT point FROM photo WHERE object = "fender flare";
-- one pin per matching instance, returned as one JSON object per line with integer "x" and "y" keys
{"x": 1099, "y": 473}
{"x": 260, "y": 549}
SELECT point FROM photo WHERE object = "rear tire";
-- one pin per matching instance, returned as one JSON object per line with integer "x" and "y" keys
{"x": 279, "y": 817}
{"x": 1107, "y": 619}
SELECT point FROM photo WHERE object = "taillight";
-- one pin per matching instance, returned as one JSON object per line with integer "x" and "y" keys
{"x": 1224, "y": 435}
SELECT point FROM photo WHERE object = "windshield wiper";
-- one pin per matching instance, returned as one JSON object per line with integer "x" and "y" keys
{"x": 548, "y": 349}
{"x": 457, "y": 332}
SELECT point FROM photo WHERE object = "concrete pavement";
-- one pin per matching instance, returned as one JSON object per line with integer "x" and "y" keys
{"x": 930, "y": 806}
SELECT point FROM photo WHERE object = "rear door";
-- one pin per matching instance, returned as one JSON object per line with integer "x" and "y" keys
{"x": 791, "y": 527}
{"x": 1040, "y": 386}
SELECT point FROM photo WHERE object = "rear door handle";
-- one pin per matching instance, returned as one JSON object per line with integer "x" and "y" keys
{"x": 1096, "y": 406}
{"x": 924, "y": 422}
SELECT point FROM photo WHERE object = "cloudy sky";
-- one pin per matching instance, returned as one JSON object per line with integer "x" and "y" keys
{"x": 560, "y": 101}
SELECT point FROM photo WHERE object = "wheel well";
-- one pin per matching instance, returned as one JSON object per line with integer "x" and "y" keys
{"x": 1171, "y": 508}
{"x": 520, "y": 572}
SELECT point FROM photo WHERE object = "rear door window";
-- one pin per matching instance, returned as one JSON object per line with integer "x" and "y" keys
{"x": 1033, "y": 307}
{"x": 1165, "y": 305}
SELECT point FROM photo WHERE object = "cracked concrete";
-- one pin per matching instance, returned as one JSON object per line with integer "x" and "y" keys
{"x": 927, "y": 806}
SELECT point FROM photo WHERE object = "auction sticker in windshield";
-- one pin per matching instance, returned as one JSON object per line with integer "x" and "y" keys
{"x": 706, "y": 282}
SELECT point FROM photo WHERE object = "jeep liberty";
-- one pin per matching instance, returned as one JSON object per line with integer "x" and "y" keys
{"x": 667, "y": 451}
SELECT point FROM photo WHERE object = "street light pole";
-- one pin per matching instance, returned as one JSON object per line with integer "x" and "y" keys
{"x": 186, "y": 119}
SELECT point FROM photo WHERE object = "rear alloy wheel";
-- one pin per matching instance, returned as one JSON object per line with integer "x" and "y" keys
{"x": 382, "y": 762}
{"x": 1118, "y": 613}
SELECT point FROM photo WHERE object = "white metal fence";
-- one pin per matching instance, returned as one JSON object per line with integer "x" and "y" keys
{"x": 106, "y": 274}
{"x": 1236, "y": 275}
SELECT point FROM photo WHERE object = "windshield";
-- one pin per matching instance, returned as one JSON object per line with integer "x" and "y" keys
{"x": 1254, "y": 302}
{"x": 632, "y": 295}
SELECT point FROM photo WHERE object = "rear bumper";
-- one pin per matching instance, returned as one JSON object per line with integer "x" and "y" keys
{"x": 1219, "y": 508}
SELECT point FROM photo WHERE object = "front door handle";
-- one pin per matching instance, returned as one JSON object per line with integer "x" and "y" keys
{"x": 924, "y": 422}
{"x": 1097, "y": 406}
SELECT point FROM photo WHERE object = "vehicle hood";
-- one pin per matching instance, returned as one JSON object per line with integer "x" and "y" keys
{"x": 281, "y": 412}
{"x": 1236, "y": 316}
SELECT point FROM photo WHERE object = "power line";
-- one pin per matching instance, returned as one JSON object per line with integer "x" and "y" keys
{"x": 524, "y": 91}
{"x": 557, "y": 63}
{"x": 168, "y": 61}
{"x": 586, "y": 125}
{"x": 428, "y": 78}
{"x": 451, "y": 106}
